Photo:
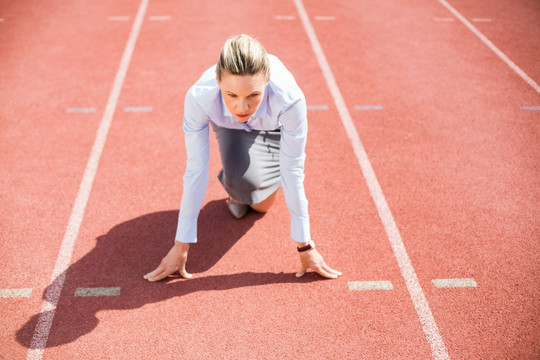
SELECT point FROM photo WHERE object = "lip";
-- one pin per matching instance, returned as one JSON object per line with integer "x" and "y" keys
{"x": 241, "y": 116}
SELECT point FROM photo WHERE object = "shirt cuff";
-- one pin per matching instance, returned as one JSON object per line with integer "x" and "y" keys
{"x": 300, "y": 230}
{"x": 186, "y": 231}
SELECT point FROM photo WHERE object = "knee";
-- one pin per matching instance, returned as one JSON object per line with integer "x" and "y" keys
{"x": 265, "y": 205}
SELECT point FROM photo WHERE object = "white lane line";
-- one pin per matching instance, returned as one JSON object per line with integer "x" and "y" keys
{"x": 118, "y": 18}
{"x": 15, "y": 293}
{"x": 533, "y": 108}
{"x": 454, "y": 283}
{"x": 81, "y": 110}
{"x": 283, "y": 17}
{"x": 431, "y": 331}
{"x": 368, "y": 107}
{"x": 160, "y": 18}
{"x": 370, "y": 285}
{"x": 493, "y": 48}
{"x": 317, "y": 107}
{"x": 52, "y": 295}
{"x": 97, "y": 291}
{"x": 139, "y": 109}
{"x": 438, "y": 19}
{"x": 325, "y": 18}
{"x": 480, "y": 20}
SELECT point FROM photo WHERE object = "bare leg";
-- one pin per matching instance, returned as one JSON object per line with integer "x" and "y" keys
{"x": 266, "y": 204}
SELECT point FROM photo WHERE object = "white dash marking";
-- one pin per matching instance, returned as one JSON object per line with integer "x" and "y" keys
{"x": 431, "y": 331}
{"x": 118, "y": 18}
{"x": 81, "y": 110}
{"x": 493, "y": 48}
{"x": 97, "y": 291}
{"x": 317, "y": 107}
{"x": 284, "y": 17}
{"x": 438, "y": 19}
{"x": 454, "y": 283}
{"x": 480, "y": 20}
{"x": 160, "y": 18}
{"x": 370, "y": 285}
{"x": 533, "y": 108}
{"x": 325, "y": 18}
{"x": 52, "y": 295}
{"x": 15, "y": 293}
{"x": 139, "y": 109}
{"x": 368, "y": 107}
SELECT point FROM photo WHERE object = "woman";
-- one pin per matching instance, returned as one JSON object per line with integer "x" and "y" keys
{"x": 259, "y": 115}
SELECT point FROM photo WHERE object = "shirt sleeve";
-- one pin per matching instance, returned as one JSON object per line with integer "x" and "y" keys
{"x": 196, "y": 175}
{"x": 292, "y": 159}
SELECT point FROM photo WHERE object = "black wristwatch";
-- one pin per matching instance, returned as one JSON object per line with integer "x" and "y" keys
{"x": 309, "y": 246}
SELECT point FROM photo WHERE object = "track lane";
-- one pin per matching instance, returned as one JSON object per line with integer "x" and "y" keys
{"x": 513, "y": 27}
{"x": 456, "y": 165}
{"x": 132, "y": 207}
{"x": 131, "y": 212}
{"x": 44, "y": 147}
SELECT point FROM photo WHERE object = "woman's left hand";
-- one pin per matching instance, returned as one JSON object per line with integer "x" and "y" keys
{"x": 311, "y": 259}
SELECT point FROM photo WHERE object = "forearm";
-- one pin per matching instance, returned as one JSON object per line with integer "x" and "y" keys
{"x": 183, "y": 247}
{"x": 292, "y": 178}
{"x": 195, "y": 184}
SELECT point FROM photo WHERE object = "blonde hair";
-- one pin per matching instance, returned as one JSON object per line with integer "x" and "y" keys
{"x": 243, "y": 55}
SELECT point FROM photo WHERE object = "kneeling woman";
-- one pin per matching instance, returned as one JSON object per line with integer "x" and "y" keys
{"x": 259, "y": 115}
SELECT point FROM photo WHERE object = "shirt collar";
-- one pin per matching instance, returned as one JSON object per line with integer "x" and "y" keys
{"x": 261, "y": 111}
{"x": 226, "y": 111}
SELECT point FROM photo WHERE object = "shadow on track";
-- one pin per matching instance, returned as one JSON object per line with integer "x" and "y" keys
{"x": 133, "y": 248}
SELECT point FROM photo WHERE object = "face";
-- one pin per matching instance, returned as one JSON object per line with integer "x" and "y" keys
{"x": 242, "y": 94}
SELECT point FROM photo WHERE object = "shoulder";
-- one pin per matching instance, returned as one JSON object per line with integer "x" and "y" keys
{"x": 206, "y": 90}
{"x": 277, "y": 67}
{"x": 282, "y": 83}
{"x": 202, "y": 101}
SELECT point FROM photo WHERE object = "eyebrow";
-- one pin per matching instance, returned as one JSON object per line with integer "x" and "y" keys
{"x": 252, "y": 93}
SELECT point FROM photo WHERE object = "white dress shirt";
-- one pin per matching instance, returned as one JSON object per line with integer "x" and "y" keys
{"x": 283, "y": 106}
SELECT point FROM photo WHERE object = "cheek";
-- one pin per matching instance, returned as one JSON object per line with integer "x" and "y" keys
{"x": 254, "y": 103}
{"x": 230, "y": 104}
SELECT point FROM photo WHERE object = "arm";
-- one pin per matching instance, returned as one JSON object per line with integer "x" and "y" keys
{"x": 292, "y": 160}
{"x": 196, "y": 174}
{"x": 195, "y": 185}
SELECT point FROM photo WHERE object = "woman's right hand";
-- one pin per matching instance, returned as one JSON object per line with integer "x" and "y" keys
{"x": 175, "y": 260}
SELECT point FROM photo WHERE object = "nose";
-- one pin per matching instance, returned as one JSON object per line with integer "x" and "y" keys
{"x": 243, "y": 105}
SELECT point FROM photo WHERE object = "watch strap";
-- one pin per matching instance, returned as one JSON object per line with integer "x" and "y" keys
{"x": 309, "y": 246}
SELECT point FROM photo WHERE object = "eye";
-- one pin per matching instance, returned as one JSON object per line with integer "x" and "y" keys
{"x": 255, "y": 94}
{"x": 231, "y": 95}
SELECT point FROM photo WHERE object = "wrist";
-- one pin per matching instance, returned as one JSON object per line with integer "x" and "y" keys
{"x": 302, "y": 247}
{"x": 181, "y": 245}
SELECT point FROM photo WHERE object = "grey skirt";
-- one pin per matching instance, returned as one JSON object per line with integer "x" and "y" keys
{"x": 250, "y": 162}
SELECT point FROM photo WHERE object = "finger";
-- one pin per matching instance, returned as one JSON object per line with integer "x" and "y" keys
{"x": 185, "y": 274}
{"x": 330, "y": 270}
{"x": 319, "y": 270}
{"x": 301, "y": 272}
{"x": 162, "y": 275}
{"x": 151, "y": 274}
{"x": 162, "y": 272}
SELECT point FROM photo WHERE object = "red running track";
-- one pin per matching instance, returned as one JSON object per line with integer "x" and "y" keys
{"x": 450, "y": 131}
